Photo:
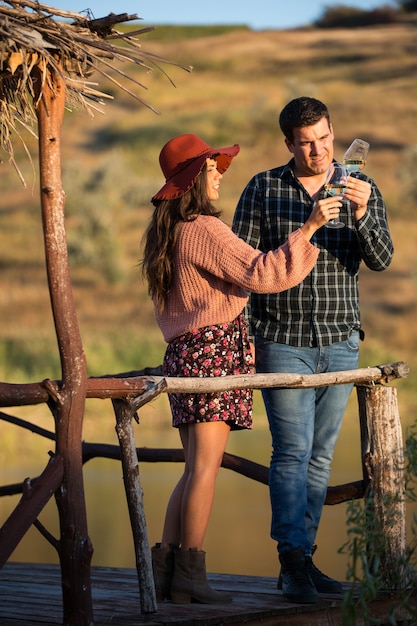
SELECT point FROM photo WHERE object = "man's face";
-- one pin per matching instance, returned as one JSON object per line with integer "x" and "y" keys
{"x": 312, "y": 148}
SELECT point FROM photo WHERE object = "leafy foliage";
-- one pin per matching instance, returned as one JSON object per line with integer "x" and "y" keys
{"x": 408, "y": 5}
{"x": 343, "y": 16}
{"x": 365, "y": 547}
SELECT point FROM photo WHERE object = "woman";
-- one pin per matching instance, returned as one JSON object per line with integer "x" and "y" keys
{"x": 198, "y": 274}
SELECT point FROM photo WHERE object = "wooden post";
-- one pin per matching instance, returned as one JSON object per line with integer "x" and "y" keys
{"x": 383, "y": 470}
{"x": 75, "y": 550}
{"x": 124, "y": 428}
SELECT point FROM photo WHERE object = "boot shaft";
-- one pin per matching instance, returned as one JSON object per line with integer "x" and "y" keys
{"x": 163, "y": 569}
{"x": 189, "y": 582}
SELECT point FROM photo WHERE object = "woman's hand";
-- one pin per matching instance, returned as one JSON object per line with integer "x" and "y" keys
{"x": 324, "y": 210}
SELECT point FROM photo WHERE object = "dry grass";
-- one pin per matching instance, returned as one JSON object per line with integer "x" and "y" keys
{"x": 241, "y": 80}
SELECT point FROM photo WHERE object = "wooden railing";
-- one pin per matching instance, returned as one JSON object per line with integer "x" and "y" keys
{"x": 381, "y": 448}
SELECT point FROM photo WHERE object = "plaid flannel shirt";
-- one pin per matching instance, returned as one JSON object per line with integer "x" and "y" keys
{"x": 324, "y": 308}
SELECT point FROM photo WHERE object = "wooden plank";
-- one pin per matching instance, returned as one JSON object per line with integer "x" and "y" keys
{"x": 30, "y": 595}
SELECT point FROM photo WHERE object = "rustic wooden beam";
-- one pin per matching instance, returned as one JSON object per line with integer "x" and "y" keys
{"x": 134, "y": 384}
{"x": 255, "y": 471}
{"x": 35, "y": 496}
{"x": 383, "y": 468}
{"x": 381, "y": 374}
{"x": 68, "y": 403}
{"x": 124, "y": 429}
{"x": 17, "y": 421}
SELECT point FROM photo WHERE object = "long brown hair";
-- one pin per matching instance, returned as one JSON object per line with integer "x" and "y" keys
{"x": 162, "y": 233}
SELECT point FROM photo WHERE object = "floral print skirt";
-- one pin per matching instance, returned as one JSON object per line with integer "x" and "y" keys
{"x": 217, "y": 350}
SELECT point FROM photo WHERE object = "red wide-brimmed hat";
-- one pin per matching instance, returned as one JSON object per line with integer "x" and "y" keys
{"x": 183, "y": 158}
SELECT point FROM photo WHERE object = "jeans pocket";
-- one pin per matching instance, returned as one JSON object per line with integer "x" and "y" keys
{"x": 352, "y": 341}
{"x": 261, "y": 341}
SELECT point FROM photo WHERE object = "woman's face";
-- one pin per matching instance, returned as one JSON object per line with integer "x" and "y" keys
{"x": 213, "y": 179}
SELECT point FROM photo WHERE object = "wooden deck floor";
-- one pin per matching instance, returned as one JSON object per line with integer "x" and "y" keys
{"x": 30, "y": 595}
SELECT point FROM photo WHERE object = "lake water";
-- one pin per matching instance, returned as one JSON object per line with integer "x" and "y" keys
{"x": 237, "y": 540}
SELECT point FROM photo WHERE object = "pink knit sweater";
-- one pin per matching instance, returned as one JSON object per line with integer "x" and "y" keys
{"x": 214, "y": 269}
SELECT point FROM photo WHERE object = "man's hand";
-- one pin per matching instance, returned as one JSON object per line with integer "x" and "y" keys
{"x": 358, "y": 193}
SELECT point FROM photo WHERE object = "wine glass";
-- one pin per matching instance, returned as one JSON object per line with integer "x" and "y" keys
{"x": 335, "y": 185}
{"x": 355, "y": 156}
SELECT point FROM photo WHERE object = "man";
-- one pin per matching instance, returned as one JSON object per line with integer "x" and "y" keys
{"x": 309, "y": 329}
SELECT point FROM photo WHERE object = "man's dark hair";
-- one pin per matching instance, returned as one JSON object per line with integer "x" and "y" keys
{"x": 301, "y": 112}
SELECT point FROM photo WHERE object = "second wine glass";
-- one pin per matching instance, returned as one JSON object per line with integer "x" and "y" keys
{"x": 335, "y": 185}
{"x": 355, "y": 156}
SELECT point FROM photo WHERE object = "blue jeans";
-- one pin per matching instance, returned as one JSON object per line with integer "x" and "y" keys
{"x": 304, "y": 425}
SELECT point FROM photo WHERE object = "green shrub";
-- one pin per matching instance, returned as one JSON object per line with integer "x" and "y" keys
{"x": 408, "y": 5}
{"x": 342, "y": 16}
{"x": 365, "y": 546}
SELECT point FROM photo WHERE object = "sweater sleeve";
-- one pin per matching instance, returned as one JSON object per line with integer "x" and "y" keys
{"x": 214, "y": 248}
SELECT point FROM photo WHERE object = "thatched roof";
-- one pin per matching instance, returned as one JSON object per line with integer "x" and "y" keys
{"x": 72, "y": 45}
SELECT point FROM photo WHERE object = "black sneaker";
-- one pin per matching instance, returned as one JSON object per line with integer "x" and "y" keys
{"x": 295, "y": 580}
{"x": 322, "y": 583}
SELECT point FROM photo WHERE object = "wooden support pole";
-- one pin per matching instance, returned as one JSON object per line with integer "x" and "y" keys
{"x": 383, "y": 469}
{"x": 67, "y": 406}
{"x": 125, "y": 412}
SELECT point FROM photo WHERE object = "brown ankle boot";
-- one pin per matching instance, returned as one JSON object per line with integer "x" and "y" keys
{"x": 189, "y": 582}
{"x": 163, "y": 569}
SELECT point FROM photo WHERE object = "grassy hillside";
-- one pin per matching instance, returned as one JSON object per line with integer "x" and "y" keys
{"x": 240, "y": 81}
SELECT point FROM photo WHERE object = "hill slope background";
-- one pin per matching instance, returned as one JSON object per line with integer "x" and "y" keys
{"x": 240, "y": 81}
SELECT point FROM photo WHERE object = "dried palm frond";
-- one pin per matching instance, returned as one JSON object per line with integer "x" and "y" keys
{"x": 31, "y": 37}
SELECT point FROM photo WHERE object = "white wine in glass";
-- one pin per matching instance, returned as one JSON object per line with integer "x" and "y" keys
{"x": 335, "y": 185}
{"x": 355, "y": 156}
